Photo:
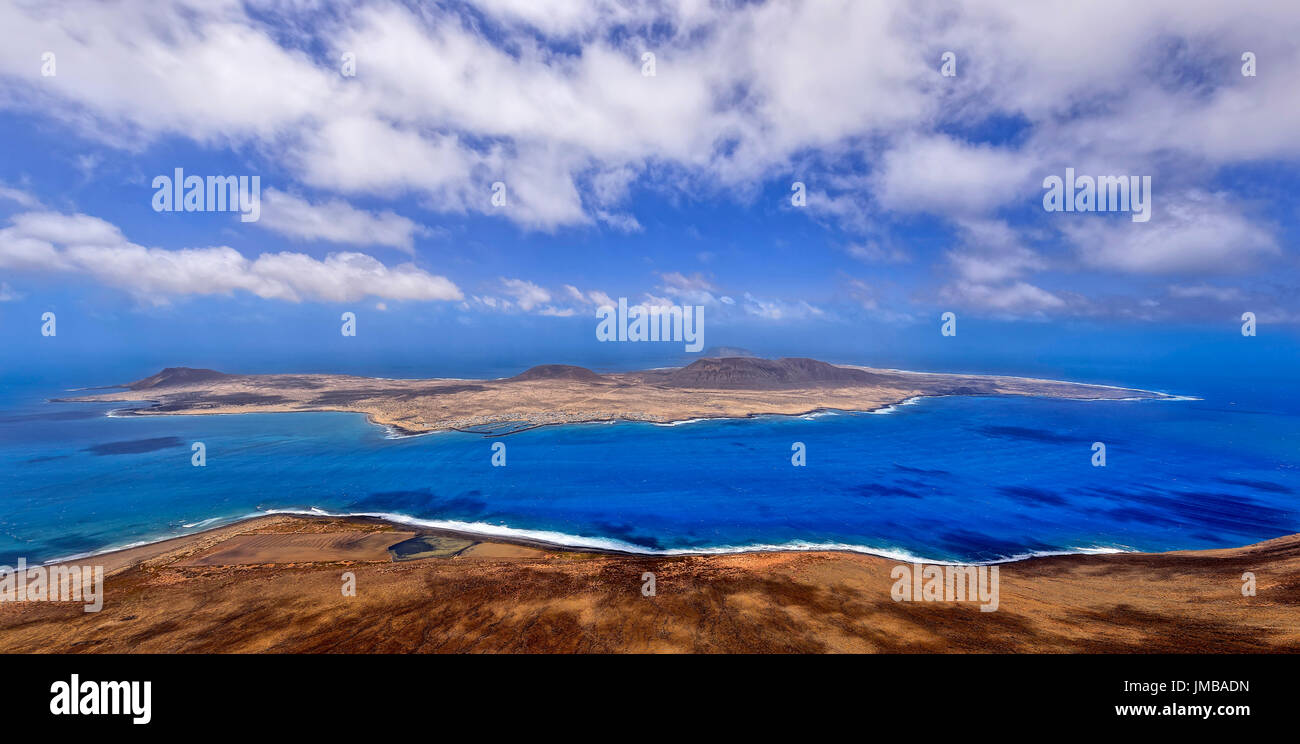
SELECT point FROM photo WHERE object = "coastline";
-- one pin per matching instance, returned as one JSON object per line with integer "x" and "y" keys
{"x": 119, "y": 556}
{"x": 397, "y": 431}
{"x": 564, "y": 542}
{"x": 272, "y": 584}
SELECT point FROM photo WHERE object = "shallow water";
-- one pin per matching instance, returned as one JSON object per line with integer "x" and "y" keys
{"x": 964, "y": 479}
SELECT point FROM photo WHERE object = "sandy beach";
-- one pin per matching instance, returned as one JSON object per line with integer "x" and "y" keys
{"x": 274, "y": 584}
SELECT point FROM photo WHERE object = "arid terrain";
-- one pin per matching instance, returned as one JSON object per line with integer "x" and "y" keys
{"x": 556, "y": 394}
{"x": 274, "y": 584}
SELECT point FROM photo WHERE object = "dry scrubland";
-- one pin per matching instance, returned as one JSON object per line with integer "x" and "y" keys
{"x": 250, "y": 588}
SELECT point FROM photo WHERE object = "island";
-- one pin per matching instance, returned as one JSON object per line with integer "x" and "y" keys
{"x": 730, "y": 387}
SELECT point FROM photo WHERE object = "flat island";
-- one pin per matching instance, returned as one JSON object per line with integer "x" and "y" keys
{"x": 733, "y": 387}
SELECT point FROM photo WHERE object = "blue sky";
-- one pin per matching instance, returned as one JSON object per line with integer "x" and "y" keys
{"x": 924, "y": 191}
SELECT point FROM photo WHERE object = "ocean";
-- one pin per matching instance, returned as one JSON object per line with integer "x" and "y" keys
{"x": 941, "y": 479}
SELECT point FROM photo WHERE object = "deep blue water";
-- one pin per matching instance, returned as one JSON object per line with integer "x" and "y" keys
{"x": 948, "y": 479}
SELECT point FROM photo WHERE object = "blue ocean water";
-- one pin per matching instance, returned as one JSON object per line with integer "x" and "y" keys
{"x": 963, "y": 479}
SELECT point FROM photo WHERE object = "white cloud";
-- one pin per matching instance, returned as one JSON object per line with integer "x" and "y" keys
{"x": 531, "y": 297}
{"x": 873, "y": 252}
{"x": 75, "y": 229}
{"x": 779, "y": 310}
{"x": 689, "y": 290}
{"x": 611, "y": 186}
{"x": 443, "y": 108}
{"x": 1205, "y": 291}
{"x": 18, "y": 196}
{"x": 562, "y": 17}
{"x": 941, "y": 175}
{"x": 85, "y": 245}
{"x": 991, "y": 251}
{"x": 1188, "y": 233}
{"x": 440, "y": 108}
{"x": 575, "y": 293}
{"x": 621, "y": 222}
{"x": 863, "y": 294}
{"x": 446, "y": 103}
{"x": 1011, "y": 297}
{"x": 600, "y": 299}
{"x": 336, "y": 221}
{"x": 363, "y": 154}
{"x": 527, "y": 295}
{"x": 594, "y": 297}
{"x": 651, "y": 300}
{"x": 680, "y": 281}
{"x": 557, "y": 312}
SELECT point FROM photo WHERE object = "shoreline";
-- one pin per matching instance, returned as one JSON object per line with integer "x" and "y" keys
{"x": 273, "y": 585}
{"x": 239, "y": 524}
{"x": 563, "y": 542}
{"x": 397, "y": 431}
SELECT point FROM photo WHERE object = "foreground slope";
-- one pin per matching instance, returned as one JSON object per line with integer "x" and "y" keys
{"x": 250, "y": 588}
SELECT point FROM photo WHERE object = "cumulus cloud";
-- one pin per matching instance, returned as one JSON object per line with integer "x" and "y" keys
{"x": 593, "y": 297}
{"x": 527, "y": 295}
{"x": 940, "y": 175}
{"x": 83, "y": 245}
{"x": 551, "y": 99}
{"x": 1011, "y": 297}
{"x": 992, "y": 251}
{"x": 530, "y": 297}
{"x": 442, "y": 107}
{"x": 991, "y": 263}
{"x": 336, "y": 221}
{"x": 547, "y": 97}
{"x": 1191, "y": 232}
{"x": 690, "y": 290}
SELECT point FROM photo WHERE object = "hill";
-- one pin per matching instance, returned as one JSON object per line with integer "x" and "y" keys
{"x": 173, "y": 376}
{"x": 557, "y": 372}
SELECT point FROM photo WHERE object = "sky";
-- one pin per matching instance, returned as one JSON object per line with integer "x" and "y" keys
{"x": 380, "y": 132}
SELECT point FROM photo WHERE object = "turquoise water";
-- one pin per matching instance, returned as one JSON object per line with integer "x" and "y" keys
{"x": 948, "y": 479}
